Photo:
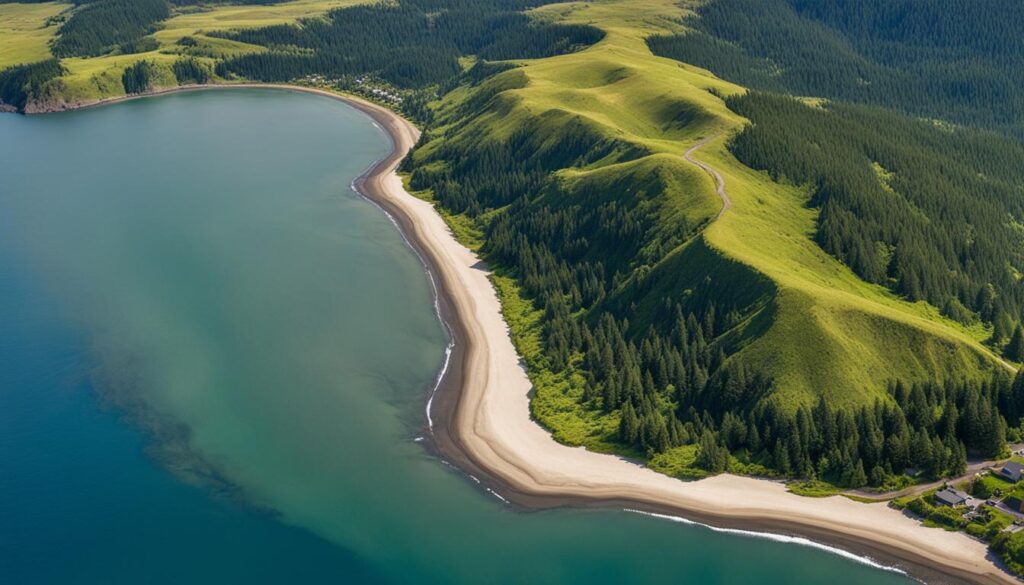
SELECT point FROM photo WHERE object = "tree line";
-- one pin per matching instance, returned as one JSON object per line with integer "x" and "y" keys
{"x": 97, "y": 27}
{"x": 412, "y": 43}
{"x": 932, "y": 59}
{"x": 930, "y": 212}
{"x": 22, "y": 83}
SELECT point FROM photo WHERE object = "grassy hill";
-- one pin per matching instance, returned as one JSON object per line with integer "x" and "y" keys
{"x": 826, "y": 332}
{"x": 801, "y": 316}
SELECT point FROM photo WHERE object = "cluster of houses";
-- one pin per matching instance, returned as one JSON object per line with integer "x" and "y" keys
{"x": 363, "y": 85}
{"x": 1012, "y": 472}
{"x": 380, "y": 93}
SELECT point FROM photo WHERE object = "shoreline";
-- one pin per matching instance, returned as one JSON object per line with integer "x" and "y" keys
{"x": 482, "y": 424}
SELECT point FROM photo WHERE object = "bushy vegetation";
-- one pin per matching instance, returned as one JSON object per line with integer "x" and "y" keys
{"x": 932, "y": 59}
{"x": 930, "y": 212}
{"x": 100, "y": 26}
{"x": 411, "y": 43}
{"x": 1010, "y": 548}
{"x": 22, "y": 83}
{"x": 648, "y": 330}
{"x": 189, "y": 70}
{"x": 138, "y": 78}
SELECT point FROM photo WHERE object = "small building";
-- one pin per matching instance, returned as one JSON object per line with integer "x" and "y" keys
{"x": 951, "y": 497}
{"x": 1012, "y": 471}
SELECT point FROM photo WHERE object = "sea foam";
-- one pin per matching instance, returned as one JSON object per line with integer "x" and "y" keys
{"x": 798, "y": 540}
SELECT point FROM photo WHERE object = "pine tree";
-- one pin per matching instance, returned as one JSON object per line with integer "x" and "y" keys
{"x": 628, "y": 424}
{"x": 857, "y": 477}
{"x": 1014, "y": 350}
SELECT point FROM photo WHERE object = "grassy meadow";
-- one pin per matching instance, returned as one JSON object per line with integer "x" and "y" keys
{"x": 26, "y": 30}
{"x": 26, "y": 37}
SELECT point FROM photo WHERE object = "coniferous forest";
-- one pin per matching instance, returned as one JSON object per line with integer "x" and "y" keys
{"x": 917, "y": 207}
{"x": 932, "y": 59}
{"x": 413, "y": 43}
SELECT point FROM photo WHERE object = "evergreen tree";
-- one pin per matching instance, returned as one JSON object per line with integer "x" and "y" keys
{"x": 1014, "y": 350}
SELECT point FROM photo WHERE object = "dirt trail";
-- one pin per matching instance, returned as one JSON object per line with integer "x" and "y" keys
{"x": 719, "y": 180}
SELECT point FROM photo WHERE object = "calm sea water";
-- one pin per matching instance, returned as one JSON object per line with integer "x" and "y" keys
{"x": 213, "y": 362}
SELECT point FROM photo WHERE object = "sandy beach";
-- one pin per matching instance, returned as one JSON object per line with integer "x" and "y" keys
{"x": 482, "y": 424}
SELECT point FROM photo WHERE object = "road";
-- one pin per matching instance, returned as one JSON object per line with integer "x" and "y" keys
{"x": 973, "y": 467}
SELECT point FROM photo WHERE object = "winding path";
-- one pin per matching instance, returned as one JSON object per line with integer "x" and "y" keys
{"x": 719, "y": 180}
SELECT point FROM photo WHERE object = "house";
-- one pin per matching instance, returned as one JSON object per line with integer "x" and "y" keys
{"x": 951, "y": 497}
{"x": 1012, "y": 471}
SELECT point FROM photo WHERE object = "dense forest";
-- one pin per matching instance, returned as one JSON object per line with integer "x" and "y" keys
{"x": 138, "y": 78}
{"x": 101, "y": 26}
{"x": 926, "y": 210}
{"x": 412, "y": 43}
{"x": 933, "y": 59}
{"x": 23, "y": 82}
{"x": 97, "y": 27}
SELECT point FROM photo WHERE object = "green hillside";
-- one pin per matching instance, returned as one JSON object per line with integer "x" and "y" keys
{"x": 783, "y": 307}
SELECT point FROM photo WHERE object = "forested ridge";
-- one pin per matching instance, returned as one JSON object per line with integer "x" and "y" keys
{"x": 412, "y": 43}
{"x": 932, "y": 212}
{"x": 97, "y": 27}
{"x": 940, "y": 58}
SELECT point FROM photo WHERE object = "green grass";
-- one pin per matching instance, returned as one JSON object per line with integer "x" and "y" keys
{"x": 988, "y": 484}
{"x": 88, "y": 79}
{"x": 24, "y": 33}
{"x": 813, "y": 488}
{"x": 818, "y": 329}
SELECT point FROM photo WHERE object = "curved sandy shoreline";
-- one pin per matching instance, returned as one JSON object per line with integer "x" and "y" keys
{"x": 482, "y": 419}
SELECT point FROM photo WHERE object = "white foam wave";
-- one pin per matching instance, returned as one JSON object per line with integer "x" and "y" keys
{"x": 798, "y": 540}
{"x": 437, "y": 301}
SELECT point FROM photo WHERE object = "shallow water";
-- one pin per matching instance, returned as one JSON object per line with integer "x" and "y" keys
{"x": 213, "y": 363}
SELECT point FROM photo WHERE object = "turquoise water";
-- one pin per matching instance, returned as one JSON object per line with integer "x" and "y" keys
{"x": 213, "y": 363}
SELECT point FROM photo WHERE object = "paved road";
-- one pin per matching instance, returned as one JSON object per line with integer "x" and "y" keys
{"x": 719, "y": 180}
